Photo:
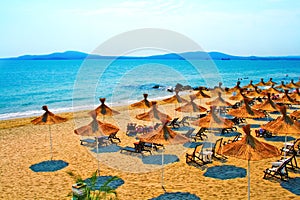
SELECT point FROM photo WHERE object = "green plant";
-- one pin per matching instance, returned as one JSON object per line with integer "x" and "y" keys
{"x": 104, "y": 192}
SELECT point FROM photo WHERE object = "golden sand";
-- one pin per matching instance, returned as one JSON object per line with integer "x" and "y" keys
{"x": 24, "y": 144}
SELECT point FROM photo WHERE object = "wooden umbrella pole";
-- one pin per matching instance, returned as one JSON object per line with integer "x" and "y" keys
{"x": 51, "y": 154}
{"x": 248, "y": 179}
{"x": 162, "y": 170}
{"x": 98, "y": 162}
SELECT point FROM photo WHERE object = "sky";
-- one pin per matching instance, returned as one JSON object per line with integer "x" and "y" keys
{"x": 236, "y": 27}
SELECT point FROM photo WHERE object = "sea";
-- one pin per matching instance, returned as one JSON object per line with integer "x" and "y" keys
{"x": 73, "y": 85}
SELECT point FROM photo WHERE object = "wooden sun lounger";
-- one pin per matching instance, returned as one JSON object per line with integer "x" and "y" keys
{"x": 113, "y": 138}
{"x": 235, "y": 139}
{"x": 138, "y": 148}
{"x": 174, "y": 123}
{"x": 200, "y": 134}
{"x": 197, "y": 156}
{"x": 278, "y": 171}
{"x": 87, "y": 141}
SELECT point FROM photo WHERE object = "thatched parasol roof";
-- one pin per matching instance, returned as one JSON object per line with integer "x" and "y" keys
{"x": 176, "y": 99}
{"x": 219, "y": 101}
{"x": 292, "y": 84}
{"x": 261, "y": 83}
{"x": 141, "y": 104}
{"x": 286, "y": 99}
{"x": 213, "y": 121}
{"x": 48, "y": 118}
{"x": 191, "y": 106}
{"x": 164, "y": 136}
{"x": 270, "y": 82}
{"x": 283, "y": 125}
{"x": 267, "y": 105}
{"x": 249, "y": 148}
{"x": 245, "y": 111}
{"x": 104, "y": 110}
{"x": 153, "y": 113}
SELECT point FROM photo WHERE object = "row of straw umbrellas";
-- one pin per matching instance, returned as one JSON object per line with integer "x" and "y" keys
{"x": 166, "y": 136}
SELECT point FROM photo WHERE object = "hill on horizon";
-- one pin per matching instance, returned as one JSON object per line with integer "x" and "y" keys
{"x": 197, "y": 55}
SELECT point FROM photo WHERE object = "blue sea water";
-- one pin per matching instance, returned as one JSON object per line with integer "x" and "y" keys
{"x": 71, "y": 85}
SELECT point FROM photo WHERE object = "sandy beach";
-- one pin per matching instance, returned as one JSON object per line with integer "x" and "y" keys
{"x": 24, "y": 144}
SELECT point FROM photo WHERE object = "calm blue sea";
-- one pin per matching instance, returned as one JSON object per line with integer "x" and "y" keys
{"x": 71, "y": 85}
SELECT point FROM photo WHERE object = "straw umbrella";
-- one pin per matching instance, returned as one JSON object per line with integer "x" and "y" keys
{"x": 295, "y": 114}
{"x": 176, "y": 99}
{"x": 213, "y": 121}
{"x": 270, "y": 82}
{"x": 296, "y": 95}
{"x": 250, "y": 86}
{"x": 142, "y": 104}
{"x": 201, "y": 95}
{"x": 250, "y": 149}
{"x": 48, "y": 118}
{"x": 104, "y": 110}
{"x": 245, "y": 111}
{"x": 217, "y": 89}
{"x": 261, "y": 83}
{"x": 286, "y": 99}
{"x": 219, "y": 101}
{"x": 236, "y": 88}
{"x": 292, "y": 84}
{"x": 283, "y": 86}
{"x": 271, "y": 90}
{"x": 255, "y": 93}
{"x": 153, "y": 113}
{"x": 239, "y": 96}
{"x": 191, "y": 106}
{"x": 268, "y": 105}
{"x": 163, "y": 136}
{"x": 283, "y": 125}
{"x": 96, "y": 128}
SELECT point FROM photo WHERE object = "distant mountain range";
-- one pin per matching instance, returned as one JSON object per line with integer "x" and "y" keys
{"x": 198, "y": 55}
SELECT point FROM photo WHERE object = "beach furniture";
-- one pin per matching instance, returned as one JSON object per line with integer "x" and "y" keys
{"x": 183, "y": 121}
{"x": 174, "y": 123}
{"x": 139, "y": 148}
{"x": 262, "y": 133}
{"x": 216, "y": 150}
{"x": 278, "y": 170}
{"x": 200, "y": 134}
{"x": 235, "y": 139}
{"x": 197, "y": 157}
{"x": 113, "y": 138}
{"x": 87, "y": 141}
{"x": 103, "y": 140}
{"x": 131, "y": 128}
{"x": 291, "y": 148}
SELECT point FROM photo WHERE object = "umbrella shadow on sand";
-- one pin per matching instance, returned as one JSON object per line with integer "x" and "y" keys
{"x": 183, "y": 128}
{"x": 157, "y": 159}
{"x": 107, "y": 149}
{"x": 176, "y": 195}
{"x": 264, "y": 119}
{"x": 279, "y": 138}
{"x": 254, "y": 125}
{"x": 231, "y": 134}
{"x": 293, "y": 185}
{"x": 101, "y": 180}
{"x": 49, "y": 166}
{"x": 191, "y": 144}
{"x": 225, "y": 172}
